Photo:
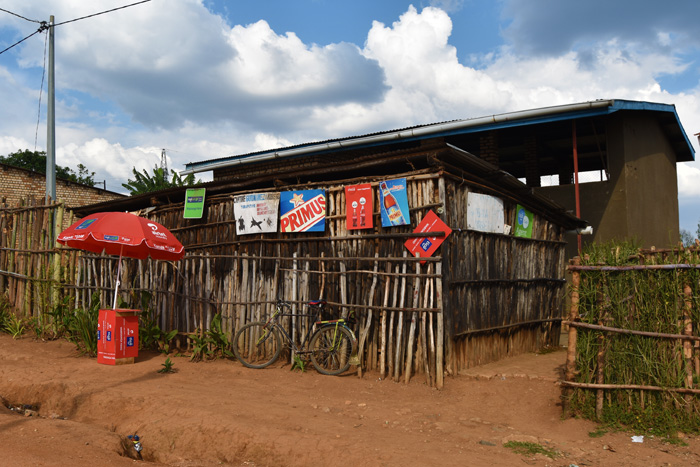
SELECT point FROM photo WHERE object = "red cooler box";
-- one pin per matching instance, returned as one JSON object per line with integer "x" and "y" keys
{"x": 117, "y": 336}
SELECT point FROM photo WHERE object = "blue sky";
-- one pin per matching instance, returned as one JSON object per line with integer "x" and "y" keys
{"x": 210, "y": 78}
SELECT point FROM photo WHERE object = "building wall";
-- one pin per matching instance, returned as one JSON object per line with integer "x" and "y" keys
{"x": 652, "y": 186}
{"x": 640, "y": 200}
{"x": 19, "y": 184}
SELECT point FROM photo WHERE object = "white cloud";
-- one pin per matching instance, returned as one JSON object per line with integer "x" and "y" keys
{"x": 688, "y": 180}
{"x": 180, "y": 78}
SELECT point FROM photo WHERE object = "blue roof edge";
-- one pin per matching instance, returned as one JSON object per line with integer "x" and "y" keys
{"x": 542, "y": 115}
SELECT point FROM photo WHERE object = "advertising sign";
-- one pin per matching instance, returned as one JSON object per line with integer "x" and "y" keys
{"x": 194, "y": 203}
{"x": 394, "y": 203}
{"x": 303, "y": 211}
{"x": 523, "y": 222}
{"x": 485, "y": 213}
{"x": 424, "y": 247}
{"x": 359, "y": 206}
{"x": 256, "y": 213}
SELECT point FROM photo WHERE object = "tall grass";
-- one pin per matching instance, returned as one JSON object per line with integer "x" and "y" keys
{"x": 643, "y": 300}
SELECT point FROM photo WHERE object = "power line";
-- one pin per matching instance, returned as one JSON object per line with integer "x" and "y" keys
{"x": 41, "y": 29}
{"x": 41, "y": 90}
{"x": 20, "y": 16}
{"x": 44, "y": 25}
{"x": 102, "y": 12}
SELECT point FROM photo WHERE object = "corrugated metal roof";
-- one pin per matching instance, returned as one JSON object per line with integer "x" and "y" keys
{"x": 520, "y": 118}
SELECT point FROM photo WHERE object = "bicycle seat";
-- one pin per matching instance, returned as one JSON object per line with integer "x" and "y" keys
{"x": 317, "y": 302}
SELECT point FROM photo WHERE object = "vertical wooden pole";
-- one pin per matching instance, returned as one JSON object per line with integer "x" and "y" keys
{"x": 382, "y": 352}
{"x": 368, "y": 319}
{"x": 423, "y": 328}
{"x": 294, "y": 299}
{"x": 390, "y": 350}
{"x": 571, "y": 347}
{"x": 399, "y": 324}
{"x": 440, "y": 338}
{"x": 412, "y": 329}
{"x": 600, "y": 377}
{"x": 687, "y": 345}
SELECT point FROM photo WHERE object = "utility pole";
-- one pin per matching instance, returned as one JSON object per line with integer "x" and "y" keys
{"x": 163, "y": 161}
{"x": 51, "y": 123}
{"x": 164, "y": 166}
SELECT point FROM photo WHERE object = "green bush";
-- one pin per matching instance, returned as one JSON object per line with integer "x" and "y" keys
{"x": 82, "y": 327}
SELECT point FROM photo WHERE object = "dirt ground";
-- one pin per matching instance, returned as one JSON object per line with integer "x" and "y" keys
{"x": 70, "y": 410}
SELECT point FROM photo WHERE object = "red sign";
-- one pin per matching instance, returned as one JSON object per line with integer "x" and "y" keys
{"x": 358, "y": 206}
{"x": 424, "y": 247}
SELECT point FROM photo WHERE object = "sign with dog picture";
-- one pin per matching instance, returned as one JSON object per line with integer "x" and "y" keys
{"x": 256, "y": 213}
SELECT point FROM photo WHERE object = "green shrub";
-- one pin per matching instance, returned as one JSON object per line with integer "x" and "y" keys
{"x": 82, "y": 327}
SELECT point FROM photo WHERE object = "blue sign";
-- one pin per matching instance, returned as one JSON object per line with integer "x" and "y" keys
{"x": 85, "y": 224}
{"x": 109, "y": 336}
{"x": 130, "y": 341}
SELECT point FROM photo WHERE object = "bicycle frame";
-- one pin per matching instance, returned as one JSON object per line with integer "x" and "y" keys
{"x": 302, "y": 347}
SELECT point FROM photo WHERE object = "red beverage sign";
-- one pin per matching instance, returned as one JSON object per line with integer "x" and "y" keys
{"x": 425, "y": 246}
{"x": 359, "y": 206}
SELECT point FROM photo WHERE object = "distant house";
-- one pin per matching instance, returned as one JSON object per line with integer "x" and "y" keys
{"x": 20, "y": 184}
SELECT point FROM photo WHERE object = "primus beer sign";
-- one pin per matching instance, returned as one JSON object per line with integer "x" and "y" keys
{"x": 303, "y": 211}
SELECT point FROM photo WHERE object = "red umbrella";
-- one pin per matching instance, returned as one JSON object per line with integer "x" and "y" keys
{"x": 123, "y": 234}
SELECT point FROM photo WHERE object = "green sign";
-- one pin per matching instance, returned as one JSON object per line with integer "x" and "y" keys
{"x": 194, "y": 203}
{"x": 523, "y": 222}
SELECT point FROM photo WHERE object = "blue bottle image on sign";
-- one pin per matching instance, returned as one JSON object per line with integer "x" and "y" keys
{"x": 391, "y": 206}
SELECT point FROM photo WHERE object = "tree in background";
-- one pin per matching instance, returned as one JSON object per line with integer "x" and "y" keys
{"x": 160, "y": 180}
{"x": 36, "y": 161}
{"x": 687, "y": 238}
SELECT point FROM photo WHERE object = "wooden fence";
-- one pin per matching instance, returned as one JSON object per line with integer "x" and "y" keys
{"x": 634, "y": 347}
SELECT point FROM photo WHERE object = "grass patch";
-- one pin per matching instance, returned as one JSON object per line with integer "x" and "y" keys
{"x": 530, "y": 449}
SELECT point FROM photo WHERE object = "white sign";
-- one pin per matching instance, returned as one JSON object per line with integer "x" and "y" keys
{"x": 485, "y": 213}
{"x": 256, "y": 213}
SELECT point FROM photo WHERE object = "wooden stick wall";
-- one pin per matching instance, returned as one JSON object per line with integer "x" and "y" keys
{"x": 406, "y": 326}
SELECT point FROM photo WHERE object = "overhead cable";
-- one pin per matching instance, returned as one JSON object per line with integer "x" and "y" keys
{"x": 102, "y": 12}
{"x": 41, "y": 29}
{"x": 20, "y": 16}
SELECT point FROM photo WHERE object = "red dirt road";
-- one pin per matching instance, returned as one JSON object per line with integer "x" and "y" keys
{"x": 221, "y": 413}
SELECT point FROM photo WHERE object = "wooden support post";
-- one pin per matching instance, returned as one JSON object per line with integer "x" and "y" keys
{"x": 399, "y": 324}
{"x": 368, "y": 319}
{"x": 382, "y": 352}
{"x": 439, "y": 353}
{"x": 412, "y": 329}
{"x": 687, "y": 345}
{"x": 571, "y": 348}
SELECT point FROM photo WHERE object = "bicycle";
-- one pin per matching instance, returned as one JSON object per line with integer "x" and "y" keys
{"x": 331, "y": 346}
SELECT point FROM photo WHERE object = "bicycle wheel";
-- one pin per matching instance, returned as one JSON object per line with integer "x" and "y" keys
{"x": 256, "y": 345}
{"x": 331, "y": 347}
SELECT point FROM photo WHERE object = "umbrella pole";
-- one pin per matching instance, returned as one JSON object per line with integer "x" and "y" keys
{"x": 119, "y": 274}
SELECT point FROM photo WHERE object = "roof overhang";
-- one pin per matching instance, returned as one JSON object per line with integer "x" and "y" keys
{"x": 674, "y": 130}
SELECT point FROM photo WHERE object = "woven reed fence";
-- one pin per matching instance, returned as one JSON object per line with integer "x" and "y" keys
{"x": 504, "y": 293}
{"x": 634, "y": 345}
